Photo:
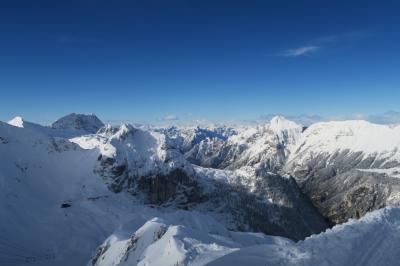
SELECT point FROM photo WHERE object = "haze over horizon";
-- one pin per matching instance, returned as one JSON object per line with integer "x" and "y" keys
{"x": 182, "y": 61}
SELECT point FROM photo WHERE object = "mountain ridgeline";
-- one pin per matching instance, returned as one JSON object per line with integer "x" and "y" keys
{"x": 90, "y": 181}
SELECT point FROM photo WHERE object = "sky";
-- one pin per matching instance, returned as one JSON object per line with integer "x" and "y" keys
{"x": 167, "y": 60}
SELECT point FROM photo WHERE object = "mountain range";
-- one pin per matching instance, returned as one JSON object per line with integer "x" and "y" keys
{"x": 79, "y": 192}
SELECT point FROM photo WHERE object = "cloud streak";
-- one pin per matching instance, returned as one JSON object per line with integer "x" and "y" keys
{"x": 170, "y": 118}
{"x": 300, "y": 51}
{"x": 323, "y": 42}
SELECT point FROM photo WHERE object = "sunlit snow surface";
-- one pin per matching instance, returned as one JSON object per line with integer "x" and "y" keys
{"x": 179, "y": 238}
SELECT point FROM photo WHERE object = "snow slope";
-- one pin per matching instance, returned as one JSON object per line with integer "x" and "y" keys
{"x": 178, "y": 238}
{"x": 38, "y": 174}
{"x": 373, "y": 240}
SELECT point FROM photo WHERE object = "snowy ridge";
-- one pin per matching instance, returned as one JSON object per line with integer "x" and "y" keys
{"x": 200, "y": 240}
{"x": 269, "y": 144}
{"x": 185, "y": 137}
{"x": 356, "y": 136}
{"x": 179, "y": 238}
{"x": 143, "y": 152}
{"x": 278, "y": 128}
{"x": 16, "y": 121}
{"x": 371, "y": 241}
{"x": 286, "y": 130}
{"x": 67, "y": 127}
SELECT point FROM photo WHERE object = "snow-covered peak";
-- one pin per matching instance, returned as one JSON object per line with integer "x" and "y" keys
{"x": 353, "y": 135}
{"x": 288, "y": 132}
{"x": 142, "y": 152}
{"x": 16, "y": 121}
{"x": 87, "y": 123}
{"x": 280, "y": 123}
{"x": 107, "y": 130}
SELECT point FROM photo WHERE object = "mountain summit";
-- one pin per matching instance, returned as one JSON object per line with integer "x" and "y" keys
{"x": 88, "y": 123}
{"x": 279, "y": 123}
{"x": 16, "y": 121}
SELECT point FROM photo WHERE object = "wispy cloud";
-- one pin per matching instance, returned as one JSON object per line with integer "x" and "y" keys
{"x": 344, "y": 37}
{"x": 170, "y": 118}
{"x": 323, "y": 42}
{"x": 390, "y": 117}
{"x": 300, "y": 51}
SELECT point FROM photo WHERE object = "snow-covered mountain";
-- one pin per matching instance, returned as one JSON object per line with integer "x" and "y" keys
{"x": 380, "y": 142}
{"x": 265, "y": 146}
{"x": 187, "y": 196}
{"x": 185, "y": 138}
{"x": 71, "y": 125}
{"x": 53, "y": 208}
{"x": 86, "y": 124}
{"x": 179, "y": 238}
{"x": 348, "y": 168}
{"x": 145, "y": 163}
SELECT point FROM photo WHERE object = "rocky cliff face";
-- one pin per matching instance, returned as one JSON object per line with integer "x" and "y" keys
{"x": 340, "y": 190}
{"x": 347, "y": 168}
{"x": 148, "y": 166}
{"x": 176, "y": 187}
{"x": 275, "y": 206}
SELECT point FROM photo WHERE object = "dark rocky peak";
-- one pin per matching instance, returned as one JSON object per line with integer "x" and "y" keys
{"x": 88, "y": 123}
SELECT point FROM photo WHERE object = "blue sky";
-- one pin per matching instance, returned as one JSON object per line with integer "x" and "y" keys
{"x": 218, "y": 60}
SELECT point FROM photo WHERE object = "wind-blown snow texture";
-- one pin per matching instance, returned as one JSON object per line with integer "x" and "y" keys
{"x": 180, "y": 196}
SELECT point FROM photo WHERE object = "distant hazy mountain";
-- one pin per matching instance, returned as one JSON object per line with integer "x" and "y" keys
{"x": 85, "y": 123}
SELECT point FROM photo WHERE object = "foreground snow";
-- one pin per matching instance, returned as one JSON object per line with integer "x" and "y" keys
{"x": 178, "y": 238}
{"x": 373, "y": 240}
{"x": 191, "y": 238}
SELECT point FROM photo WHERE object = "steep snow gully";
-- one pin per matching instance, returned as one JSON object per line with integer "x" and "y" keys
{"x": 79, "y": 192}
